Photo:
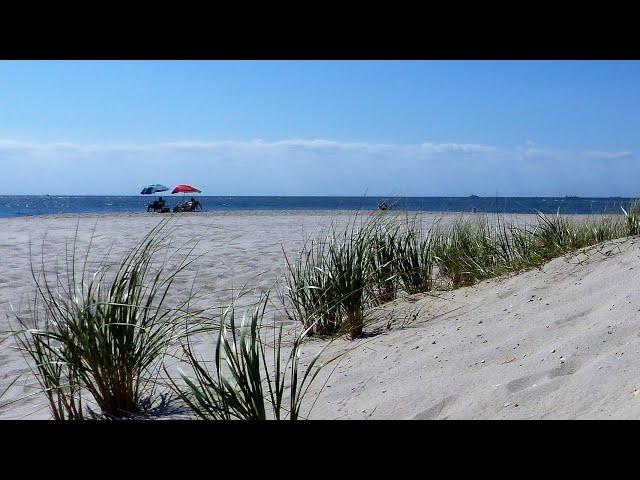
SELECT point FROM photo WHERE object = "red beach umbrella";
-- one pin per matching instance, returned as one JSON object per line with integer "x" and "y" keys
{"x": 182, "y": 188}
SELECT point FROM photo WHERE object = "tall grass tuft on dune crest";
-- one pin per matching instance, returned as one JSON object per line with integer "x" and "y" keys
{"x": 556, "y": 235}
{"x": 333, "y": 283}
{"x": 328, "y": 286}
{"x": 384, "y": 277}
{"x": 338, "y": 276}
{"x": 104, "y": 334}
{"x": 414, "y": 257}
{"x": 244, "y": 383}
{"x": 632, "y": 218}
{"x": 459, "y": 251}
{"x": 309, "y": 289}
{"x": 349, "y": 269}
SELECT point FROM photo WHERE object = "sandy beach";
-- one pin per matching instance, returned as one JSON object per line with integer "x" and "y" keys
{"x": 557, "y": 342}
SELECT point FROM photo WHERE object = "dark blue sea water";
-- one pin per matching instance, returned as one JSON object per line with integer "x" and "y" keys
{"x": 15, "y": 206}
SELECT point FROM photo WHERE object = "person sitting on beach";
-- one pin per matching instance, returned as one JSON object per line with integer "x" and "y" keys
{"x": 195, "y": 204}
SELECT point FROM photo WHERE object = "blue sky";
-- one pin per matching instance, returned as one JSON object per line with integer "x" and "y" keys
{"x": 321, "y": 128}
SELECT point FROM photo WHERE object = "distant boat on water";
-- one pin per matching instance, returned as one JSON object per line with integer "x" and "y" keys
{"x": 474, "y": 196}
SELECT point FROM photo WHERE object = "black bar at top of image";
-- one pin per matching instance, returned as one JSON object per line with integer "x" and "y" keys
{"x": 320, "y": 32}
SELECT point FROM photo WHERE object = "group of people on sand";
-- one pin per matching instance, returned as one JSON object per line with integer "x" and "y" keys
{"x": 160, "y": 206}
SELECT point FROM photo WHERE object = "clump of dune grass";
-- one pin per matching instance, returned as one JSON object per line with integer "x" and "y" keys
{"x": 337, "y": 277}
{"x": 244, "y": 383}
{"x": 499, "y": 247}
{"x": 385, "y": 280}
{"x": 327, "y": 286}
{"x": 460, "y": 250}
{"x": 510, "y": 248}
{"x": 468, "y": 251}
{"x": 309, "y": 290}
{"x": 603, "y": 229}
{"x": 57, "y": 378}
{"x": 334, "y": 281}
{"x": 474, "y": 250}
{"x": 413, "y": 258}
{"x": 632, "y": 217}
{"x": 103, "y": 334}
{"x": 349, "y": 265}
{"x": 556, "y": 235}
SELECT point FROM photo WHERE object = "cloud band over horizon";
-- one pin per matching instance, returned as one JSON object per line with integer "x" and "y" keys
{"x": 316, "y": 167}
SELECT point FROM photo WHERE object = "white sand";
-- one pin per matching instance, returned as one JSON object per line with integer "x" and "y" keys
{"x": 493, "y": 341}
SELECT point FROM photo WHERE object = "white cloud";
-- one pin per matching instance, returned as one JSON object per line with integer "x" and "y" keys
{"x": 315, "y": 167}
{"x": 609, "y": 155}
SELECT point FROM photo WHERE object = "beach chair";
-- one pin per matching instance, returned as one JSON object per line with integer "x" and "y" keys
{"x": 187, "y": 207}
{"x": 182, "y": 207}
{"x": 156, "y": 206}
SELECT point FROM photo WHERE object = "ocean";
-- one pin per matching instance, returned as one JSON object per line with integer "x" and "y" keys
{"x": 19, "y": 205}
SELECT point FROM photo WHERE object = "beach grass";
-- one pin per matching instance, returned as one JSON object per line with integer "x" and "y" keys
{"x": 632, "y": 218}
{"x": 104, "y": 334}
{"x": 384, "y": 278}
{"x": 328, "y": 285}
{"x": 333, "y": 283}
{"x": 244, "y": 384}
{"x": 413, "y": 256}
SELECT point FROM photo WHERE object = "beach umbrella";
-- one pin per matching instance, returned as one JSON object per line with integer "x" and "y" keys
{"x": 153, "y": 188}
{"x": 182, "y": 188}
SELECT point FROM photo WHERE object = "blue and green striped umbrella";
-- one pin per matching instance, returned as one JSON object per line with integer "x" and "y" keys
{"x": 153, "y": 188}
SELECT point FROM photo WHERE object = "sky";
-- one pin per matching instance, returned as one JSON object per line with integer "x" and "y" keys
{"x": 391, "y": 128}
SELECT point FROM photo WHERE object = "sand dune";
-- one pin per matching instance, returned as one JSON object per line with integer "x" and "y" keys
{"x": 559, "y": 342}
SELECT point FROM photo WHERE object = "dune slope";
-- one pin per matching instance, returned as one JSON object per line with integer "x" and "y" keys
{"x": 556, "y": 343}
